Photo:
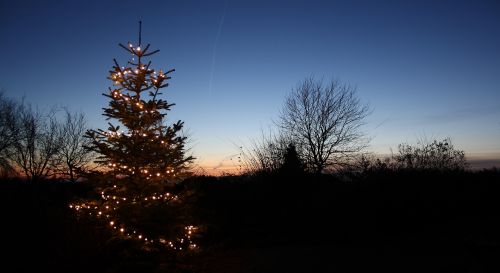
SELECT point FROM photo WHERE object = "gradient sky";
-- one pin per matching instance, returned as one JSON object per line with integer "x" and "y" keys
{"x": 427, "y": 68}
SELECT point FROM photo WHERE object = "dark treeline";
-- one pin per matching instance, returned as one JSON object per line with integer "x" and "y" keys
{"x": 406, "y": 220}
{"x": 39, "y": 144}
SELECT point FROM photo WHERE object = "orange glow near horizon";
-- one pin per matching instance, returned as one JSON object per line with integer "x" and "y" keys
{"x": 206, "y": 168}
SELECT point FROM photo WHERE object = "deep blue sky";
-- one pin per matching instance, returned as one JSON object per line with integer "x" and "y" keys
{"x": 427, "y": 68}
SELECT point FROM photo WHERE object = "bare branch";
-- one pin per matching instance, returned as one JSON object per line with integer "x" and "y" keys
{"x": 324, "y": 121}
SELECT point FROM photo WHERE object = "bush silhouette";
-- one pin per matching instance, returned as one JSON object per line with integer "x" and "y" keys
{"x": 435, "y": 155}
{"x": 292, "y": 164}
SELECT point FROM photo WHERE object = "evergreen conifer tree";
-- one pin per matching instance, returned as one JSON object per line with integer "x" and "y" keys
{"x": 148, "y": 152}
{"x": 292, "y": 165}
{"x": 141, "y": 158}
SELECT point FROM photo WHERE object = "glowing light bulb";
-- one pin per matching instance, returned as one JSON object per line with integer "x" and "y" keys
{"x": 138, "y": 48}
{"x": 122, "y": 229}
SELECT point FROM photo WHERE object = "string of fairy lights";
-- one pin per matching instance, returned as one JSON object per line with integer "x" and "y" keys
{"x": 129, "y": 82}
{"x": 137, "y": 80}
{"x": 112, "y": 202}
{"x": 145, "y": 172}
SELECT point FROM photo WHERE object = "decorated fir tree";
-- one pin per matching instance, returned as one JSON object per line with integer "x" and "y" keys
{"x": 146, "y": 152}
{"x": 139, "y": 154}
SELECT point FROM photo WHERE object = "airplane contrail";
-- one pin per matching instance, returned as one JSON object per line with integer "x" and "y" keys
{"x": 214, "y": 50}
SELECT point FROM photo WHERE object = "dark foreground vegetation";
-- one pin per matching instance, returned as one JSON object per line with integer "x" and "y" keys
{"x": 391, "y": 221}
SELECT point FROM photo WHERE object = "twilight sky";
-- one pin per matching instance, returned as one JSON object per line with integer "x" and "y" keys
{"x": 427, "y": 68}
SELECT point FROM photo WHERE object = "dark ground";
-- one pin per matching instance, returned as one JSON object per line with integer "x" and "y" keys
{"x": 389, "y": 222}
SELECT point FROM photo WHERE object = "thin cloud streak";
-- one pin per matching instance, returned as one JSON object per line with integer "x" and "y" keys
{"x": 214, "y": 51}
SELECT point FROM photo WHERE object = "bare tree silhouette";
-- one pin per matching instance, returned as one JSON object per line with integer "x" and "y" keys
{"x": 37, "y": 143}
{"x": 267, "y": 153}
{"x": 8, "y": 132}
{"x": 73, "y": 157}
{"x": 324, "y": 121}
